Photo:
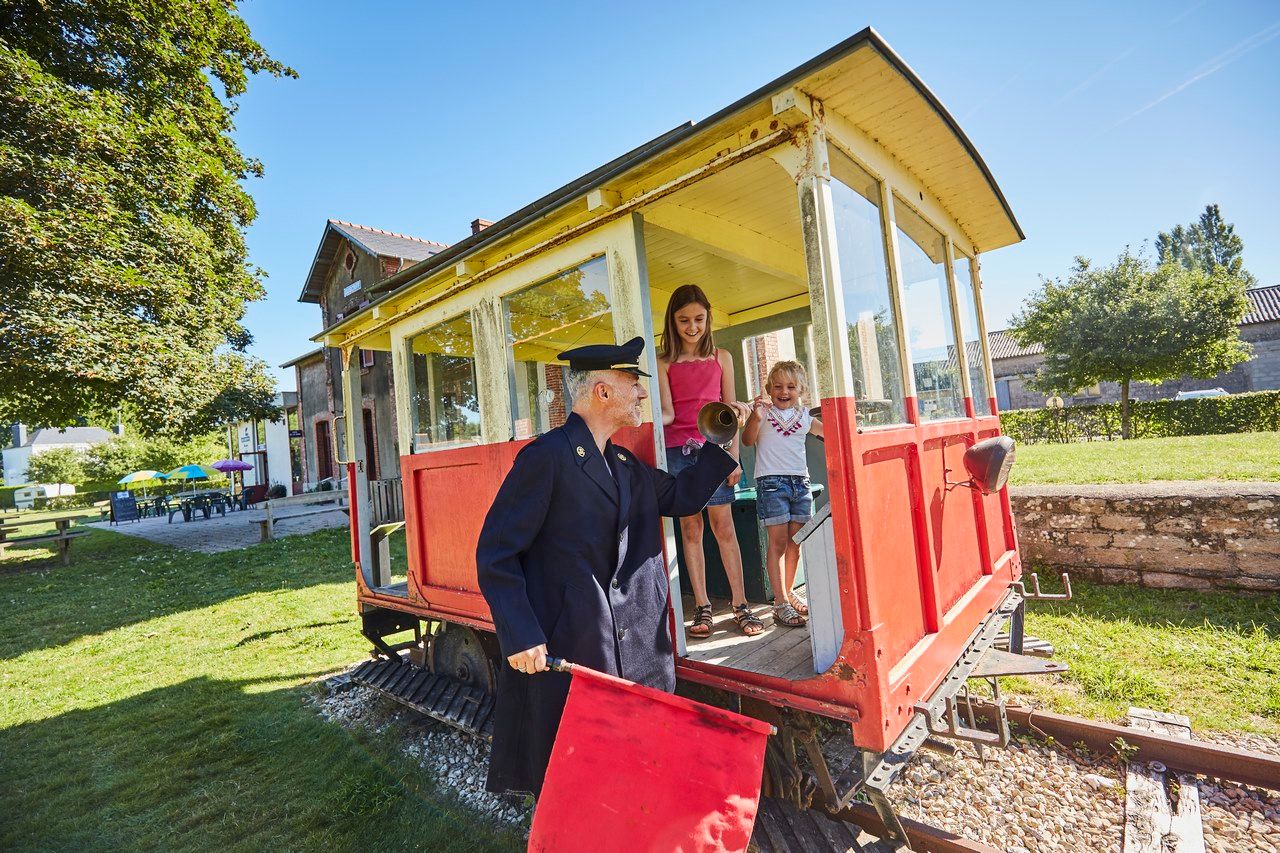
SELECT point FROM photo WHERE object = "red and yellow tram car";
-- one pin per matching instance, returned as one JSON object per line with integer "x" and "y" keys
{"x": 838, "y": 216}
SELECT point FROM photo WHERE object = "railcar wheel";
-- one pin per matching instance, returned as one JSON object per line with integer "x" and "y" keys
{"x": 458, "y": 653}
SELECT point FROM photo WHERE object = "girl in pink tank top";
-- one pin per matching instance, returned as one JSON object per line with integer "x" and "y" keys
{"x": 692, "y": 372}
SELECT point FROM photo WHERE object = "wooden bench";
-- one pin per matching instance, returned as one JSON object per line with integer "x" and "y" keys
{"x": 62, "y": 538}
{"x": 273, "y": 515}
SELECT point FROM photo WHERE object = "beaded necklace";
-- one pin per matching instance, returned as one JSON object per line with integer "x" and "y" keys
{"x": 785, "y": 421}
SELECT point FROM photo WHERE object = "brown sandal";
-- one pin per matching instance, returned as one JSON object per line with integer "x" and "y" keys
{"x": 701, "y": 626}
{"x": 748, "y": 622}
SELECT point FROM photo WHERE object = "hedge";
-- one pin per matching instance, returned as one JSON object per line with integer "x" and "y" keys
{"x": 1255, "y": 412}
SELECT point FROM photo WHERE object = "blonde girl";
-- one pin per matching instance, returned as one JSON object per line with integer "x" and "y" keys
{"x": 779, "y": 422}
{"x": 692, "y": 371}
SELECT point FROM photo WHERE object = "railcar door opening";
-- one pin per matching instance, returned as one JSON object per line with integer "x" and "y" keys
{"x": 738, "y": 236}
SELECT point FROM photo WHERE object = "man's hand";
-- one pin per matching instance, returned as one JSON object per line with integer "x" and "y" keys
{"x": 530, "y": 661}
{"x": 742, "y": 410}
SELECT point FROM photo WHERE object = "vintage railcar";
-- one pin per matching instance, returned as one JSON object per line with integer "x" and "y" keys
{"x": 836, "y": 215}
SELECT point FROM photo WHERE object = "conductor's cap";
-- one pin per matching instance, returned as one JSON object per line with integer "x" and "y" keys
{"x": 606, "y": 357}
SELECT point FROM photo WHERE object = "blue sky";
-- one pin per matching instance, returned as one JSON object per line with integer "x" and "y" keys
{"x": 1103, "y": 123}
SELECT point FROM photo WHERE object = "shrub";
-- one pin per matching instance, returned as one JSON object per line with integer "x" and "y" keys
{"x": 277, "y": 491}
{"x": 57, "y": 465}
{"x": 1255, "y": 412}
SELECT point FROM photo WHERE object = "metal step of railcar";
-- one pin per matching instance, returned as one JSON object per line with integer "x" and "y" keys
{"x": 437, "y": 696}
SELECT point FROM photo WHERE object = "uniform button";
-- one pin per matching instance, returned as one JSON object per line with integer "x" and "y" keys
{"x": 622, "y": 633}
{"x": 616, "y": 584}
{"x": 621, "y": 536}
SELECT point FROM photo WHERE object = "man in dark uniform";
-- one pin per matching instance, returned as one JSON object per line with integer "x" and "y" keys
{"x": 570, "y": 559}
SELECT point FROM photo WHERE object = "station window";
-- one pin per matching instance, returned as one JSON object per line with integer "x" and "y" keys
{"x": 566, "y": 311}
{"x": 445, "y": 407}
{"x": 931, "y": 336}
{"x": 864, "y": 280}
{"x": 970, "y": 305}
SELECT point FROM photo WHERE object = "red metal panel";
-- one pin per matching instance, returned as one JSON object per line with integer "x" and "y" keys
{"x": 953, "y": 526}
{"x": 353, "y": 505}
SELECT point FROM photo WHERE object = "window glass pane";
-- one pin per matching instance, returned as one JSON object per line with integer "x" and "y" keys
{"x": 566, "y": 311}
{"x": 970, "y": 305}
{"x": 864, "y": 277}
{"x": 444, "y": 407}
{"x": 931, "y": 338}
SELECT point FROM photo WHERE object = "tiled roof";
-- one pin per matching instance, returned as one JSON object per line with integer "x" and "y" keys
{"x": 375, "y": 241}
{"x": 1003, "y": 345}
{"x": 1264, "y": 307}
{"x": 70, "y": 435}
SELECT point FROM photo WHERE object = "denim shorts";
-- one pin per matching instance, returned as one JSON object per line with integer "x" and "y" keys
{"x": 783, "y": 497}
{"x": 677, "y": 461}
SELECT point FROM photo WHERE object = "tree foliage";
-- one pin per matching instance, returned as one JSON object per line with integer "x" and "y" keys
{"x": 112, "y": 459}
{"x": 1134, "y": 321}
{"x": 123, "y": 268}
{"x": 56, "y": 465}
{"x": 1204, "y": 244}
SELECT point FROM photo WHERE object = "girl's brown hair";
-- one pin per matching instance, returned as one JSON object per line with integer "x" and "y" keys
{"x": 684, "y": 295}
{"x": 793, "y": 369}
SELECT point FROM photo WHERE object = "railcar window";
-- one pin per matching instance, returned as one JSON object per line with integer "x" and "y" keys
{"x": 970, "y": 305}
{"x": 864, "y": 279}
{"x": 568, "y": 310}
{"x": 931, "y": 336}
{"x": 445, "y": 407}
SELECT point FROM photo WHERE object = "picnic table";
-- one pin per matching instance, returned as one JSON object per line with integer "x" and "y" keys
{"x": 276, "y": 510}
{"x": 205, "y": 503}
{"x": 62, "y": 535}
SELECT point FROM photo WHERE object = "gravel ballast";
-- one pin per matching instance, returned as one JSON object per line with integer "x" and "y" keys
{"x": 1032, "y": 797}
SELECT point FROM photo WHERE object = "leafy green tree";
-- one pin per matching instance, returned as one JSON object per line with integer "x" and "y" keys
{"x": 1132, "y": 321}
{"x": 112, "y": 459}
{"x": 56, "y": 465}
{"x": 1207, "y": 243}
{"x": 123, "y": 268}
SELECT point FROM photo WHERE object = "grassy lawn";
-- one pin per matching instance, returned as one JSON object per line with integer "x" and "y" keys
{"x": 1214, "y": 656}
{"x": 155, "y": 698}
{"x": 1240, "y": 456}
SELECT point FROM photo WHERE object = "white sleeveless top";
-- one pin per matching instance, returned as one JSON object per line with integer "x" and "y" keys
{"x": 780, "y": 442}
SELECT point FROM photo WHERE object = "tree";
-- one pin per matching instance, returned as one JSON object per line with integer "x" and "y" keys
{"x": 1132, "y": 321}
{"x": 123, "y": 268}
{"x": 56, "y": 465}
{"x": 1207, "y": 243}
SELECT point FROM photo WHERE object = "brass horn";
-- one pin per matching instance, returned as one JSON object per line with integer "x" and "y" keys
{"x": 718, "y": 422}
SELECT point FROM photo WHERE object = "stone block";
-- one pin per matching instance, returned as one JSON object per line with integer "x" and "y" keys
{"x": 1165, "y": 580}
{"x": 1199, "y": 562}
{"x": 1087, "y": 539}
{"x": 1259, "y": 565}
{"x": 1103, "y": 556}
{"x": 1225, "y": 526}
{"x": 1177, "y": 524}
{"x": 1091, "y": 506}
{"x": 1119, "y": 575}
{"x": 1122, "y": 522}
{"x": 1255, "y": 545}
{"x": 1149, "y": 542}
{"x": 1027, "y": 519}
{"x": 1268, "y": 584}
{"x": 1070, "y": 522}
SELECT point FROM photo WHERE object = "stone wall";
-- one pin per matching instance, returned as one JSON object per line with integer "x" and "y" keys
{"x": 1189, "y": 535}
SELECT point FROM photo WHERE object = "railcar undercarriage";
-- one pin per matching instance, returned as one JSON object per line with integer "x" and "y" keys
{"x": 448, "y": 672}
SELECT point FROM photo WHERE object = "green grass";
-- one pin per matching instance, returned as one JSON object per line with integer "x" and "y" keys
{"x": 1213, "y": 656}
{"x": 1240, "y": 456}
{"x": 156, "y": 698}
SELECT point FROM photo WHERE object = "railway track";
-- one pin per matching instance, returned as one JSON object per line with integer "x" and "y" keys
{"x": 1244, "y": 766}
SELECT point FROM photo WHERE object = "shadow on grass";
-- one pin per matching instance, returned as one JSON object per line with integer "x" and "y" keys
{"x": 210, "y": 764}
{"x": 116, "y": 580}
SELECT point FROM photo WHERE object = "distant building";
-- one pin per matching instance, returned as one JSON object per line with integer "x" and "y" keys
{"x": 271, "y": 447}
{"x": 1015, "y": 365}
{"x": 350, "y": 261}
{"x": 26, "y": 445}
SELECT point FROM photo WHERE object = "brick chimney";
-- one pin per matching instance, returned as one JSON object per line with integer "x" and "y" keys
{"x": 478, "y": 225}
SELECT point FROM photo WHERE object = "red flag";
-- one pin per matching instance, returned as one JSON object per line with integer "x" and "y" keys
{"x": 635, "y": 768}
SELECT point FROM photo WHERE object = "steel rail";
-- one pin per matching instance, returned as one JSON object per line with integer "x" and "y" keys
{"x": 1245, "y": 766}
{"x": 921, "y": 836}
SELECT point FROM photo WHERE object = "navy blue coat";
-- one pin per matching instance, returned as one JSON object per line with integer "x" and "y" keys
{"x": 571, "y": 556}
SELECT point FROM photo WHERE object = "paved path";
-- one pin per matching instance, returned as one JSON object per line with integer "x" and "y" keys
{"x": 220, "y": 533}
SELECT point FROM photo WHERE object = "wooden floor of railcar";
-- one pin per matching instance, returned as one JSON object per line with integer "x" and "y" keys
{"x": 778, "y": 650}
